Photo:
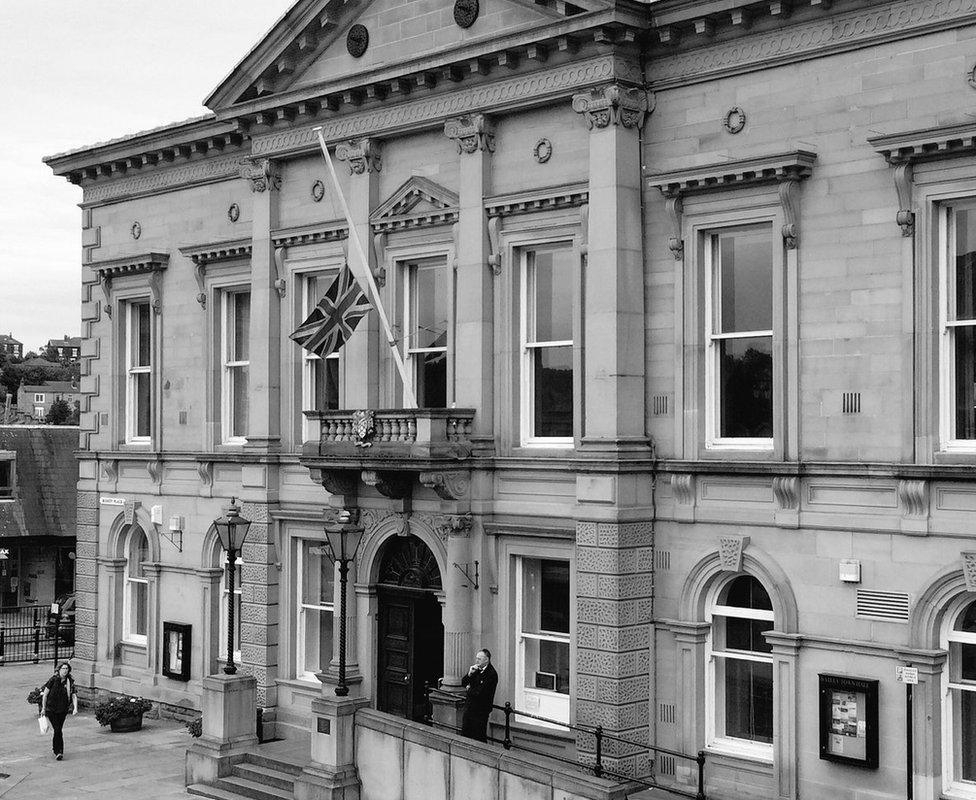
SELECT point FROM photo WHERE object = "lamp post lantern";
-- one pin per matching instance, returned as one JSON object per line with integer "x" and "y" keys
{"x": 343, "y": 536}
{"x": 232, "y": 529}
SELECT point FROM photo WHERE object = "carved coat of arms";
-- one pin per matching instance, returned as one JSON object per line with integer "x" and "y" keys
{"x": 363, "y": 428}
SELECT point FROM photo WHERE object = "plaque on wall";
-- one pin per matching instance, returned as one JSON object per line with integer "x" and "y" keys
{"x": 176, "y": 651}
{"x": 849, "y": 720}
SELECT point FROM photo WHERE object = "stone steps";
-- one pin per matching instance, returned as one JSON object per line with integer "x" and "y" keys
{"x": 258, "y": 777}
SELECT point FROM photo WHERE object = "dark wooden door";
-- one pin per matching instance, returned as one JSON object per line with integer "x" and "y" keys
{"x": 411, "y": 650}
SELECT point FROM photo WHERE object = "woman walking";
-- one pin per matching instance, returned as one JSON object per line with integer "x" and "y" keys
{"x": 58, "y": 696}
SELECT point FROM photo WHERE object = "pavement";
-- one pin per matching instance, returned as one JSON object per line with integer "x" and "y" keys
{"x": 142, "y": 765}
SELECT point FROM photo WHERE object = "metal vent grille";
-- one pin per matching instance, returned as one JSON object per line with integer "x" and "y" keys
{"x": 851, "y": 402}
{"x": 665, "y": 765}
{"x": 667, "y": 712}
{"x": 660, "y": 405}
{"x": 662, "y": 559}
{"x": 892, "y": 606}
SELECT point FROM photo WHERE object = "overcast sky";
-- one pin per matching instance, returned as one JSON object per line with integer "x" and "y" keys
{"x": 76, "y": 72}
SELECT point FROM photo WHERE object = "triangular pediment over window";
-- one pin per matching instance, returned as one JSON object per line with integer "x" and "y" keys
{"x": 416, "y": 197}
{"x": 307, "y": 48}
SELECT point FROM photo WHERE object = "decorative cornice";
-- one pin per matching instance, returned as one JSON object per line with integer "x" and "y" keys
{"x": 927, "y": 144}
{"x": 517, "y": 92}
{"x": 204, "y": 171}
{"x": 310, "y": 234}
{"x": 734, "y": 174}
{"x": 217, "y": 251}
{"x": 146, "y": 264}
{"x": 471, "y": 133}
{"x": 791, "y": 43}
{"x": 549, "y": 198}
{"x": 262, "y": 174}
{"x": 626, "y": 106}
{"x": 363, "y": 155}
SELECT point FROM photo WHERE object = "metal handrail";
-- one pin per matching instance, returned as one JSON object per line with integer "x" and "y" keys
{"x": 594, "y": 730}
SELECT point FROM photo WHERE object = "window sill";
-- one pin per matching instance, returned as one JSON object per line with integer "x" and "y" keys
{"x": 724, "y": 749}
{"x": 134, "y": 644}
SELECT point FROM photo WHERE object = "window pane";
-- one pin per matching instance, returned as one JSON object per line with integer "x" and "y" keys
{"x": 143, "y": 344}
{"x": 745, "y": 293}
{"x": 242, "y": 316}
{"x": 747, "y": 634}
{"x": 747, "y": 592}
{"x": 746, "y": 393}
{"x": 432, "y": 380}
{"x": 967, "y": 620}
{"x": 964, "y": 343}
{"x": 552, "y": 273}
{"x": 547, "y": 665}
{"x": 748, "y": 700}
{"x": 553, "y": 391}
{"x": 554, "y": 611}
{"x": 239, "y": 394}
{"x": 317, "y": 577}
{"x": 139, "y": 613}
{"x": 326, "y": 389}
{"x": 143, "y": 409}
{"x": 318, "y": 639}
{"x": 138, "y": 552}
{"x": 965, "y": 244}
{"x": 431, "y": 306}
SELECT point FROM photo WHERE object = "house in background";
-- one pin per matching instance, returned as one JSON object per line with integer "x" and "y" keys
{"x": 38, "y": 472}
{"x": 68, "y": 348}
{"x": 10, "y": 347}
{"x": 37, "y": 399}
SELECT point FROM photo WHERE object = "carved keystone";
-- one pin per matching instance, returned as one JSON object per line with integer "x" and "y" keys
{"x": 969, "y": 570}
{"x": 730, "y": 549}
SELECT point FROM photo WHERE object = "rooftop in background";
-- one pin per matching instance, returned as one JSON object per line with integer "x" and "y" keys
{"x": 51, "y": 386}
{"x": 66, "y": 341}
{"x": 9, "y": 339}
{"x": 45, "y": 478}
{"x": 43, "y": 363}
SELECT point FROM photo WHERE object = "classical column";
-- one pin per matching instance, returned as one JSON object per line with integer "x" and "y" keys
{"x": 458, "y": 608}
{"x": 264, "y": 372}
{"x": 689, "y": 643}
{"x": 361, "y": 384}
{"x": 473, "y": 342}
{"x": 614, "y": 609}
{"x": 613, "y": 321}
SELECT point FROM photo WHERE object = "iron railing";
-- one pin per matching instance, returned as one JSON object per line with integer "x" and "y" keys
{"x": 27, "y": 636}
{"x": 600, "y": 736}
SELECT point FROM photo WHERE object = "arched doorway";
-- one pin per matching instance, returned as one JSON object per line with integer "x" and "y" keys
{"x": 410, "y": 645}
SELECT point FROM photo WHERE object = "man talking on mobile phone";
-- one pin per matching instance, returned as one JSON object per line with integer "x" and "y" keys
{"x": 480, "y": 682}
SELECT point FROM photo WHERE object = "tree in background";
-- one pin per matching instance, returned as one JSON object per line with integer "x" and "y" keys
{"x": 59, "y": 413}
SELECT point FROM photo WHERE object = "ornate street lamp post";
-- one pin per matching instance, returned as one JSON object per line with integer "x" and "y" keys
{"x": 343, "y": 536}
{"x": 232, "y": 530}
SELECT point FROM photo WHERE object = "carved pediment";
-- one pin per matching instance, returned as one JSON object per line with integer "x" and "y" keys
{"x": 417, "y": 202}
{"x": 308, "y": 48}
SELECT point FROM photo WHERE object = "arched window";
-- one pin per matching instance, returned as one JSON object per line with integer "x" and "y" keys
{"x": 136, "y": 596}
{"x": 741, "y": 707}
{"x": 959, "y": 639}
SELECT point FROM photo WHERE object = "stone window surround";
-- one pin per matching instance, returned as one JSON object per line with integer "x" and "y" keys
{"x": 227, "y": 308}
{"x": 510, "y": 550}
{"x": 230, "y": 277}
{"x": 126, "y": 301}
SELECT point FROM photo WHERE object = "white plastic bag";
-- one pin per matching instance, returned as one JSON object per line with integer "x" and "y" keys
{"x": 43, "y": 724}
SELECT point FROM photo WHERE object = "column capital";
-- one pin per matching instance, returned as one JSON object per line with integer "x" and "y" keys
{"x": 262, "y": 174}
{"x": 613, "y": 104}
{"x": 472, "y": 133}
{"x": 363, "y": 155}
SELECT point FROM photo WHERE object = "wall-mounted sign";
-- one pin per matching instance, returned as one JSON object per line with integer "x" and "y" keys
{"x": 4, "y": 553}
{"x": 176, "y": 651}
{"x": 849, "y": 720}
{"x": 905, "y": 674}
{"x": 111, "y": 501}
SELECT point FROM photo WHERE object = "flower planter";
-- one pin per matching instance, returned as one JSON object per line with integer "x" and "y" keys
{"x": 126, "y": 724}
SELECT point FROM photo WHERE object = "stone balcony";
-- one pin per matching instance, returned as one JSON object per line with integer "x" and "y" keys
{"x": 389, "y": 436}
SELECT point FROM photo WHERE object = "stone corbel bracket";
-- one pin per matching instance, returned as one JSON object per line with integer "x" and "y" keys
{"x": 154, "y": 467}
{"x": 494, "y": 244}
{"x": 379, "y": 255}
{"x": 913, "y": 501}
{"x": 395, "y": 485}
{"x": 204, "y": 255}
{"x": 151, "y": 264}
{"x": 341, "y": 482}
{"x": 784, "y": 170}
{"x": 904, "y": 151}
{"x": 261, "y": 174}
{"x": 472, "y": 133}
{"x": 786, "y": 492}
{"x": 280, "y": 284}
{"x": 362, "y": 155}
{"x": 626, "y": 106}
{"x": 447, "y": 485}
{"x": 683, "y": 491}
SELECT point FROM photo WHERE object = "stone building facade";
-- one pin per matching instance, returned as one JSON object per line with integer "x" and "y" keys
{"x": 686, "y": 293}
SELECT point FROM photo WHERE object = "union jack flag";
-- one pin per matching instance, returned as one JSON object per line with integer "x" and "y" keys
{"x": 334, "y": 317}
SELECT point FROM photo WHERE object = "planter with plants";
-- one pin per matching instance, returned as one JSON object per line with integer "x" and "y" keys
{"x": 122, "y": 714}
{"x": 34, "y": 698}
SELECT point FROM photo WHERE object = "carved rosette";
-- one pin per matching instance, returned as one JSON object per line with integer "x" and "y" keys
{"x": 362, "y": 155}
{"x": 472, "y": 133}
{"x": 626, "y": 106}
{"x": 447, "y": 485}
{"x": 262, "y": 175}
{"x": 730, "y": 549}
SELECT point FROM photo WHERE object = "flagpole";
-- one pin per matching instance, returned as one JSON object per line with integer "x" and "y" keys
{"x": 410, "y": 398}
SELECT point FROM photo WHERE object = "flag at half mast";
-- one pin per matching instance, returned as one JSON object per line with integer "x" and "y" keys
{"x": 334, "y": 317}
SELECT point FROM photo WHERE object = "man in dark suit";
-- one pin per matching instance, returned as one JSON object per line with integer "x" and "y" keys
{"x": 481, "y": 682}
